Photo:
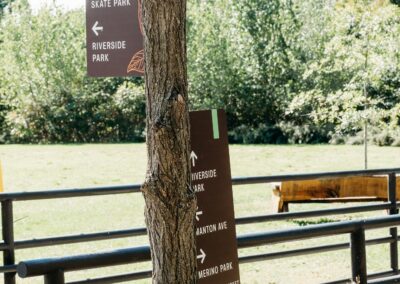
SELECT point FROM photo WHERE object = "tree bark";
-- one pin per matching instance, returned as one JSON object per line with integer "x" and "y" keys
{"x": 170, "y": 202}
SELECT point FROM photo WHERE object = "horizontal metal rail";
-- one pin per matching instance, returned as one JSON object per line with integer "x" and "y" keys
{"x": 339, "y": 199}
{"x": 46, "y": 266}
{"x": 10, "y": 245}
{"x": 374, "y": 277}
{"x": 269, "y": 256}
{"x": 117, "y": 278}
{"x": 314, "y": 213}
{"x": 371, "y": 276}
{"x": 386, "y": 280}
{"x": 8, "y": 268}
{"x": 118, "y": 257}
{"x": 336, "y": 228}
{"x": 26, "y": 244}
{"x": 79, "y": 192}
{"x": 70, "y": 193}
{"x": 296, "y": 177}
{"x": 307, "y": 251}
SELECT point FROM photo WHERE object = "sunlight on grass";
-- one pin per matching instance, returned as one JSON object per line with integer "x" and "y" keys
{"x": 30, "y": 168}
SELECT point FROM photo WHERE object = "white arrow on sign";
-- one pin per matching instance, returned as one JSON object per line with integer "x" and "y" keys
{"x": 193, "y": 157}
{"x": 202, "y": 256}
{"x": 96, "y": 28}
{"x": 198, "y": 213}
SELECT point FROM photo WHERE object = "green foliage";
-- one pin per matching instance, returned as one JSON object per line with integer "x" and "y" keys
{"x": 262, "y": 134}
{"x": 286, "y": 71}
{"x": 378, "y": 136}
{"x": 3, "y": 5}
{"x": 217, "y": 75}
{"x": 396, "y": 2}
{"x": 3, "y": 112}
{"x": 295, "y": 68}
{"x": 239, "y": 59}
{"x": 361, "y": 50}
{"x": 44, "y": 82}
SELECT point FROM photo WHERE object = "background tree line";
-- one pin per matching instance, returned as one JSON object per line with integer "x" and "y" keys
{"x": 286, "y": 71}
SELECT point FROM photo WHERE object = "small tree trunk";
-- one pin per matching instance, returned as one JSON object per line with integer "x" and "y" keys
{"x": 170, "y": 202}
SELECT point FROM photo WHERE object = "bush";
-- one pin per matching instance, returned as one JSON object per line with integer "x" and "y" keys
{"x": 303, "y": 134}
{"x": 384, "y": 138}
{"x": 279, "y": 134}
{"x": 376, "y": 136}
{"x": 3, "y": 128}
{"x": 337, "y": 139}
{"x": 130, "y": 103}
{"x": 396, "y": 142}
{"x": 263, "y": 134}
{"x": 285, "y": 72}
{"x": 94, "y": 117}
{"x": 49, "y": 98}
{"x": 355, "y": 140}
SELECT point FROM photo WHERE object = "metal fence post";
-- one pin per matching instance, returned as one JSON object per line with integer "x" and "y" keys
{"x": 358, "y": 256}
{"x": 7, "y": 221}
{"x": 392, "y": 198}
{"x": 57, "y": 277}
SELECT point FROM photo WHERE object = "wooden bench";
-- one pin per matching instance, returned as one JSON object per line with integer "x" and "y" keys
{"x": 353, "y": 189}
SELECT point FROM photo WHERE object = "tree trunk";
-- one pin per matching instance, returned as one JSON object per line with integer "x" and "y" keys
{"x": 170, "y": 202}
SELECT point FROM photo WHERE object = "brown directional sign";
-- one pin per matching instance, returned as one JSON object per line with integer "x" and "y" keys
{"x": 114, "y": 38}
{"x": 211, "y": 179}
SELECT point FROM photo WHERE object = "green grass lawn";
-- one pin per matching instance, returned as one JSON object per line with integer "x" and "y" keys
{"x": 29, "y": 168}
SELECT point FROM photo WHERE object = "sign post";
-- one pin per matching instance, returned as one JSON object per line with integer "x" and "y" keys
{"x": 115, "y": 48}
{"x": 211, "y": 180}
{"x": 114, "y": 37}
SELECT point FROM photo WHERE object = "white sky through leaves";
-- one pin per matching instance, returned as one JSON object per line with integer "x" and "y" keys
{"x": 67, "y": 4}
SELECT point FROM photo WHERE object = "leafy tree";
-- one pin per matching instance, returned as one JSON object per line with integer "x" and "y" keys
{"x": 241, "y": 58}
{"x": 44, "y": 83}
{"x": 217, "y": 76}
{"x": 361, "y": 48}
{"x": 396, "y": 2}
{"x": 284, "y": 70}
{"x": 3, "y": 5}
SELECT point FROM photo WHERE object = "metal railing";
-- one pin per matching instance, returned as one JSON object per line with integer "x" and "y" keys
{"x": 9, "y": 245}
{"x": 54, "y": 269}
